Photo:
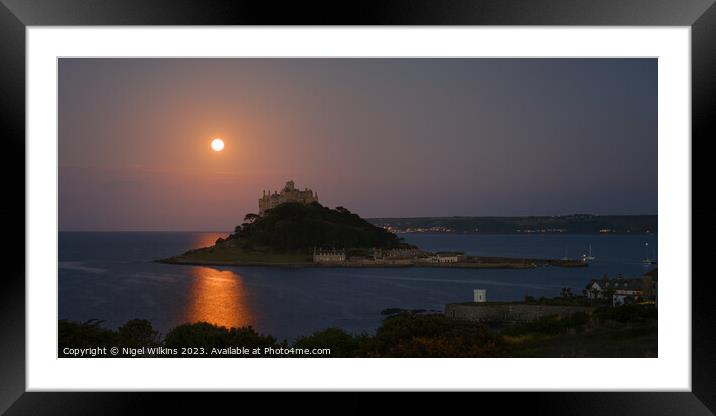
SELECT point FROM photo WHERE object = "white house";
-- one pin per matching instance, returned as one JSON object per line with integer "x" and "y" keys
{"x": 622, "y": 290}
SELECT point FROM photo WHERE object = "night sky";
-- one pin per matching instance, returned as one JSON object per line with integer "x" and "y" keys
{"x": 381, "y": 137}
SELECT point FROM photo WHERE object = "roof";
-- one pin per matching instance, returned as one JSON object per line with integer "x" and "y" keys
{"x": 633, "y": 283}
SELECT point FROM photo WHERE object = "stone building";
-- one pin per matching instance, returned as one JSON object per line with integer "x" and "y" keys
{"x": 447, "y": 257}
{"x": 396, "y": 253}
{"x": 329, "y": 256}
{"x": 289, "y": 193}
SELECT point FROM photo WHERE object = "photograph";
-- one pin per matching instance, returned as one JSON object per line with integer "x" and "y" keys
{"x": 408, "y": 196}
{"x": 357, "y": 207}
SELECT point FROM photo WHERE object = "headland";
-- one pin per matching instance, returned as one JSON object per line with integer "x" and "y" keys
{"x": 294, "y": 230}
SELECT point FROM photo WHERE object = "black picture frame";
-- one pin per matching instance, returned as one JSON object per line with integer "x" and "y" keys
{"x": 15, "y": 15}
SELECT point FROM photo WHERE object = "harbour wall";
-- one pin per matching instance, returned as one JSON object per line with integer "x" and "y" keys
{"x": 507, "y": 312}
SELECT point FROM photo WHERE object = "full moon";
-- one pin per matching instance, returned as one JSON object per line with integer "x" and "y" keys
{"x": 217, "y": 145}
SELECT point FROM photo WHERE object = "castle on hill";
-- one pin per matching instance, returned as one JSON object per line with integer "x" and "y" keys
{"x": 289, "y": 193}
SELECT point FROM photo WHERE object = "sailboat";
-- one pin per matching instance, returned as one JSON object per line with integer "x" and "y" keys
{"x": 588, "y": 257}
{"x": 647, "y": 260}
{"x": 566, "y": 257}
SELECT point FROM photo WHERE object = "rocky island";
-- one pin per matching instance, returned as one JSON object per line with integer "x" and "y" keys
{"x": 295, "y": 230}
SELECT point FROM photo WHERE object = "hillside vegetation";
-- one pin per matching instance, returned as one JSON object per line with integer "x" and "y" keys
{"x": 299, "y": 227}
{"x": 287, "y": 235}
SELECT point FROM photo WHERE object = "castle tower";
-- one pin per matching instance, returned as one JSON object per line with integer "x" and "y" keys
{"x": 288, "y": 194}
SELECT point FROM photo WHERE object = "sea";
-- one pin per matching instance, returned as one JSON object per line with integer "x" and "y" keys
{"x": 113, "y": 277}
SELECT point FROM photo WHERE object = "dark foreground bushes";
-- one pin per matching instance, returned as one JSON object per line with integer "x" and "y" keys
{"x": 401, "y": 335}
{"x": 91, "y": 334}
{"x": 409, "y": 335}
{"x": 208, "y": 336}
{"x": 404, "y": 335}
{"x": 550, "y": 325}
{"x": 624, "y": 331}
{"x": 606, "y": 316}
{"x": 634, "y": 313}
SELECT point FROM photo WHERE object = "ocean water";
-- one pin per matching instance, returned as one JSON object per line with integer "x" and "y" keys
{"x": 112, "y": 277}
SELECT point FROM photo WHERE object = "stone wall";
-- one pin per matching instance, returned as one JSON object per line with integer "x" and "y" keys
{"x": 508, "y": 312}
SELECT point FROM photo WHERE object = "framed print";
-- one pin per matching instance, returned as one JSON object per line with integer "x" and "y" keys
{"x": 414, "y": 197}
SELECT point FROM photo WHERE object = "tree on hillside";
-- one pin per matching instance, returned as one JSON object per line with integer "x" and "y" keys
{"x": 302, "y": 227}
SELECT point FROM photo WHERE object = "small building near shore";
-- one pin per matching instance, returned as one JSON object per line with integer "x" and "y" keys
{"x": 404, "y": 253}
{"x": 329, "y": 256}
{"x": 397, "y": 253}
{"x": 447, "y": 257}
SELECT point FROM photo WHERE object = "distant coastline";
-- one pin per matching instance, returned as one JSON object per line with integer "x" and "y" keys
{"x": 566, "y": 224}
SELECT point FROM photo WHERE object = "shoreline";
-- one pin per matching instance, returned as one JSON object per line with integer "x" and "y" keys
{"x": 350, "y": 265}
